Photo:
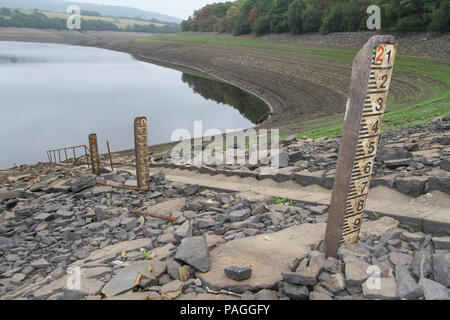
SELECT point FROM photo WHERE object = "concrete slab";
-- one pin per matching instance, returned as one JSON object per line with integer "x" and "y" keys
{"x": 428, "y": 213}
{"x": 268, "y": 255}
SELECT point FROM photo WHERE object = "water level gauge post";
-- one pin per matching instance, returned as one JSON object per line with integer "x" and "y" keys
{"x": 371, "y": 78}
{"x": 93, "y": 147}
{"x": 141, "y": 152}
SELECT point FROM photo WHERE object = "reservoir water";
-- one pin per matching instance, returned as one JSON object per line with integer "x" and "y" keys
{"x": 54, "y": 96}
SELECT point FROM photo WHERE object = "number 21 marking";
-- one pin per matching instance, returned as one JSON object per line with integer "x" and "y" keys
{"x": 380, "y": 55}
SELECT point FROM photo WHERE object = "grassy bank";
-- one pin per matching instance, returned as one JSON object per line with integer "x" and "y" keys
{"x": 425, "y": 83}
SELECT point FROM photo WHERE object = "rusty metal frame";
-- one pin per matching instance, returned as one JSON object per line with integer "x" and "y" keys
{"x": 51, "y": 154}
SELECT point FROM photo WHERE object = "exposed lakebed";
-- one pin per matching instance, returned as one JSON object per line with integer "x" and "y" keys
{"x": 54, "y": 95}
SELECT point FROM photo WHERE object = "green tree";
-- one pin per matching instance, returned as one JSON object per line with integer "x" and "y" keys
{"x": 335, "y": 20}
{"x": 355, "y": 15}
{"x": 262, "y": 26}
{"x": 440, "y": 18}
{"x": 278, "y": 13}
{"x": 241, "y": 25}
{"x": 311, "y": 19}
{"x": 295, "y": 11}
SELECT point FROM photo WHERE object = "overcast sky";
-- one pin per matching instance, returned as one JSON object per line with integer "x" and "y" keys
{"x": 176, "y": 8}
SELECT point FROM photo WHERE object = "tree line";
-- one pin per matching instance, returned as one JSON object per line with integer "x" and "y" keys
{"x": 325, "y": 16}
{"x": 38, "y": 20}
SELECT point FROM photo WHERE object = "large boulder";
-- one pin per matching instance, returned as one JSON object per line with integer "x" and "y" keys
{"x": 82, "y": 183}
{"x": 194, "y": 251}
{"x": 386, "y": 154}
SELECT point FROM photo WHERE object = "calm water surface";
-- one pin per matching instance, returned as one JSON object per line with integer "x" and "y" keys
{"x": 53, "y": 96}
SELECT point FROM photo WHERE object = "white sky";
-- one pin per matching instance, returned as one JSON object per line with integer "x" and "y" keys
{"x": 175, "y": 8}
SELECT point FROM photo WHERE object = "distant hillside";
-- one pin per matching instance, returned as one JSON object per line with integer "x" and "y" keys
{"x": 325, "y": 16}
{"x": 42, "y": 19}
{"x": 104, "y": 10}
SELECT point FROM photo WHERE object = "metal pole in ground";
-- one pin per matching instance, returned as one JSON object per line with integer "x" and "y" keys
{"x": 371, "y": 77}
{"x": 67, "y": 160}
{"x": 109, "y": 153}
{"x": 93, "y": 147}
{"x": 74, "y": 157}
{"x": 141, "y": 151}
{"x": 87, "y": 157}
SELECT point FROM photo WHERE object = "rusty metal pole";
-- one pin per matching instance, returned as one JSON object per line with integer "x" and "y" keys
{"x": 59, "y": 155}
{"x": 93, "y": 147}
{"x": 67, "y": 160}
{"x": 87, "y": 157}
{"x": 141, "y": 151}
{"x": 54, "y": 155}
{"x": 109, "y": 153}
{"x": 371, "y": 78}
{"x": 48, "y": 156}
{"x": 74, "y": 157}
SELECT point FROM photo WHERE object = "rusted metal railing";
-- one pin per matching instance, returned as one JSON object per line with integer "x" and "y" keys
{"x": 51, "y": 154}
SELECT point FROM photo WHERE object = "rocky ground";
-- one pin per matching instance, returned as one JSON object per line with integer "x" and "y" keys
{"x": 54, "y": 218}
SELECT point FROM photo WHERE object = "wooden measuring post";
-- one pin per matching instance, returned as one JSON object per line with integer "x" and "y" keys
{"x": 141, "y": 151}
{"x": 93, "y": 147}
{"x": 371, "y": 78}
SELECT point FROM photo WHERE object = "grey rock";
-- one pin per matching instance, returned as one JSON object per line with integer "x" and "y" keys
{"x": 333, "y": 265}
{"x": 40, "y": 264}
{"x": 296, "y": 292}
{"x": 307, "y": 275}
{"x": 194, "y": 251}
{"x": 335, "y": 284}
{"x": 401, "y": 259}
{"x": 407, "y": 287}
{"x": 317, "y": 209}
{"x": 88, "y": 287}
{"x": 172, "y": 269}
{"x": 319, "y": 296}
{"x": 441, "y": 243}
{"x": 441, "y": 269}
{"x": 411, "y": 186}
{"x": 356, "y": 272}
{"x": 386, "y": 291}
{"x": 224, "y": 198}
{"x": 205, "y": 223}
{"x": 12, "y": 195}
{"x": 440, "y": 183}
{"x": 445, "y": 164}
{"x": 44, "y": 217}
{"x": 434, "y": 290}
{"x": 158, "y": 176}
{"x": 385, "y": 154}
{"x": 183, "y": 231}
{"x": 82, "y": 183}
{"x": 238, "y": 273}
{"x": 22, "y": 212}
{"x": 126, "y": 278}
{"x": 421, "y": 265}
{"x": 266, "y": 294}
{"x": 238, "y": 215}
{"x": 171, "y": 289}
{"x": 191, "y": 189}
{"x": 100, "y": 213}
{"x": 65, "y": 215}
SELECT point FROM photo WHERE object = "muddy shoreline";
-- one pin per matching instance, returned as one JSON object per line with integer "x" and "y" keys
{"x": 298, "y": 88}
